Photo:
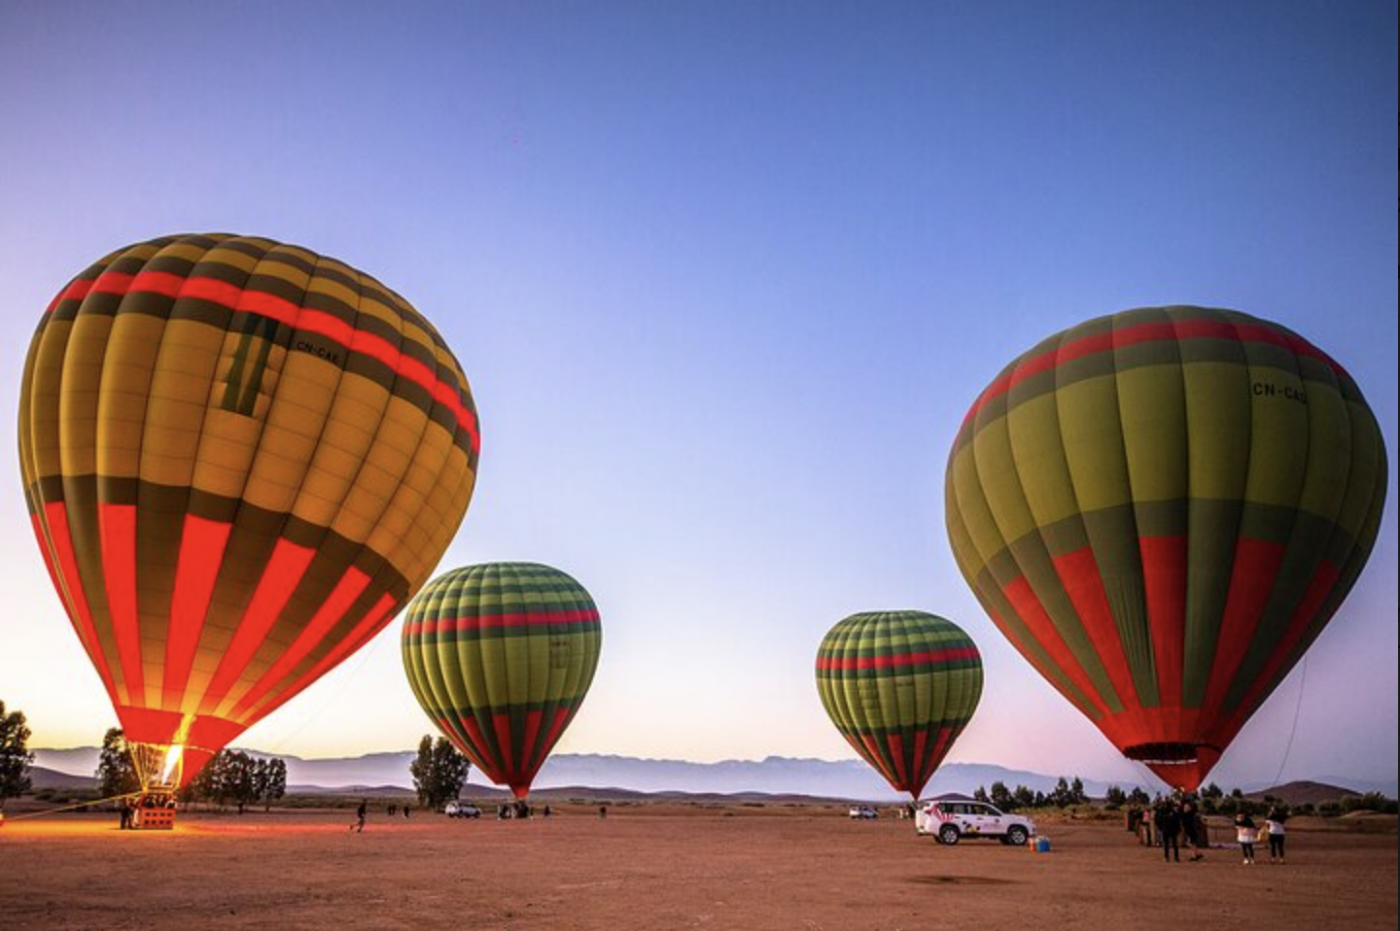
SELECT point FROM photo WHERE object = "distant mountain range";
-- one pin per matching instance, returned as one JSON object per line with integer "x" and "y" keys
{"x": 839, "y": 779}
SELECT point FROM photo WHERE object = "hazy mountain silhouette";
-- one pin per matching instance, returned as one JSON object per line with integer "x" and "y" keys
{"x": 845, "y": 779}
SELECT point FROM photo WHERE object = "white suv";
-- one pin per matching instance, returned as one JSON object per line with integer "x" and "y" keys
{"x": 950, "y": 820}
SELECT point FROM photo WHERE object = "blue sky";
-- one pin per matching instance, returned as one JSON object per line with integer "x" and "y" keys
{"x": 725, "y": 278}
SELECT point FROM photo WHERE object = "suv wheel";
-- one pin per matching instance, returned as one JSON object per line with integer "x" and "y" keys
{"x": 948, "y": 834}
{"x": 1017, "y": 836}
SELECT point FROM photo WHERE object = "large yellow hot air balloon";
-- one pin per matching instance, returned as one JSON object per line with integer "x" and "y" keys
{"x": 1161, "y": 510}
{"x": 241, "y": 459}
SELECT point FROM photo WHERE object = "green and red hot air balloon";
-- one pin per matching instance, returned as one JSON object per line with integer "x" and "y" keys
{"x": 1161, "y": 510}
{"x": 900, "y": 686}
{"x": 500, "y": 657}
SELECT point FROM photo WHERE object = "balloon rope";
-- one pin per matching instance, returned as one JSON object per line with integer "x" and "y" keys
{"x": 1147, "y": 774}
{"x": 52, "y": 811}
{"x": 1297, "y": 713}
{"x": 325, "y": 702}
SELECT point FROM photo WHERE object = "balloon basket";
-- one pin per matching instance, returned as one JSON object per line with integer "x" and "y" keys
{"x": 154, "y": 811}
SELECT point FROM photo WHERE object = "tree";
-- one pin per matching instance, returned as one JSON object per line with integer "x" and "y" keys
{"x": 208, "y": 786}
{"x": 1213, "y": 791}
{"x": 981, "y": 795}
{"x": 1002, "y": 797}
{"x": 1139, "y": 797}
{"x": 262, "y": 773}
{"x": 1023, "y": 797}
{"x": 1076, "y": 792}
{"x": 115, "y": 771}
{"x": 1061, "y": 796}
{"x": 239, "y": 779}
{"x": 14, "y": 755}
{"x": 1115, "y": 798}
{"x": 439, "y": 772}
{"x": 276, "y": 785}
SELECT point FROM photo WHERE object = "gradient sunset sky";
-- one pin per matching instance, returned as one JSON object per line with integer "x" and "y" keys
{"x": 725, "y": 278}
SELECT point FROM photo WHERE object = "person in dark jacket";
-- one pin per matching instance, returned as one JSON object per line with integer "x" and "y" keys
{"x": 1191, "y": 826}
{"x": 1167, "y": 820}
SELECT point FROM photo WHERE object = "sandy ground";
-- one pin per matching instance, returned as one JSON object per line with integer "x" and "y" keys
{"x": 662, "y": 867}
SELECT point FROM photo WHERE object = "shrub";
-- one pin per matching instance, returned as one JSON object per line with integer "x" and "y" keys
{"x": 1371, "y": 801}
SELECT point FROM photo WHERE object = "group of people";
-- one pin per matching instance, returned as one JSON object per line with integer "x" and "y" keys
{"x": 520, "y": 809}
{"x": 1175, "y": 821}
{"x": 1248, "y": 834}
{"x": 1178, "y": 818}
{"x": 362, "y": 814}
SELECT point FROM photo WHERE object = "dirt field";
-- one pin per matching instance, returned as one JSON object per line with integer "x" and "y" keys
{"x": 662, "y": 867}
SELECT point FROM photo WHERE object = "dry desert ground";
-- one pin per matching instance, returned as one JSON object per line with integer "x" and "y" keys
{"x": 664, "y": 866}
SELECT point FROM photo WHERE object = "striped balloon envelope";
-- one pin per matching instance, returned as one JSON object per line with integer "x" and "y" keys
{"x": 241, "y": 459}
{"x": 500, "y": 657}
{"x": 1161, "y": 510}
{"x": 900, "y": 686}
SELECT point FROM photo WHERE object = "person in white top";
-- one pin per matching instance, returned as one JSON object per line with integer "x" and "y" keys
{"x": 1274, "y": 821}
{"x": 1247, "y": 833}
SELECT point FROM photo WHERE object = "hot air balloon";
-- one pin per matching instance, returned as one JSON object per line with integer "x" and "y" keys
{"x": 500, "y": 657}
{"x": 1161, "y": 510}
{"x": 241, "y": 459}
{"x": 900, "y": 686}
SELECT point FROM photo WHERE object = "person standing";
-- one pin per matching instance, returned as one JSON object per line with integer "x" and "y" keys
{"x": 1247, "y": 833}
{"x": 1191, "y": 826}
{"x": 1274, "y": 821}
{"x": 360, "y": 813}
{"x": 1145, "y": 827}
{"x": 1167, "y": 820}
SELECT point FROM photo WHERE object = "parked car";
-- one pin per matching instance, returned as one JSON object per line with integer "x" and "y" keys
{"x": 949, "y": 820}
{"x": 461, "y": 810}
{"x": 864, "y": 812}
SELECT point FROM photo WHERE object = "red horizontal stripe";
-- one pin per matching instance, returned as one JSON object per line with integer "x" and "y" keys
{"x": 1146, "y": 333}
{"x": 496, "y": 621}
{"x": 950, "y": 655}
{"x": 293, "y": 315}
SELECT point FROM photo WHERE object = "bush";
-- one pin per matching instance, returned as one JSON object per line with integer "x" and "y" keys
{"x": 1371, "y": 801}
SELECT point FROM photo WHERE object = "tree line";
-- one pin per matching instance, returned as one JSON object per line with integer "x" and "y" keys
{"x": 1065, "y": 794}
{"x": 439, "y": 772}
